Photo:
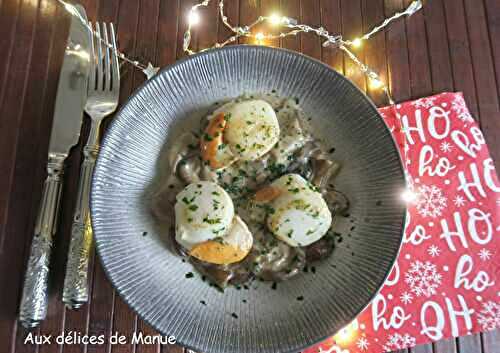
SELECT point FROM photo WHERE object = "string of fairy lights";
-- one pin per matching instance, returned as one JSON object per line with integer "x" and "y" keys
{"x": 291, "y": 25}
{"x": 293, "y": 28}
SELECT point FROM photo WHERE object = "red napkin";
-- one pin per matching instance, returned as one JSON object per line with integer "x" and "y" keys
{"x": 445, "y": 282}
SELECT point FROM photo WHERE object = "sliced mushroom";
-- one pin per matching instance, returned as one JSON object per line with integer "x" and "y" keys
{"x": 320, "y": 249}
{"x": 337, "y": 201}
{"x": 188, "y": 169}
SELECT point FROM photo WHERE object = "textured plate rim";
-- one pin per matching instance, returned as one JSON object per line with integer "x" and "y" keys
{"x": 179, "y": 62}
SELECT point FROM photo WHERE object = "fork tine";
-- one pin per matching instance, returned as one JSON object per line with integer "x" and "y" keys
{"x": 100, "y": 76}
{"x": 115, "y": 65}
{"x": 91, "y": 85}
{"x": 107, "y": 67}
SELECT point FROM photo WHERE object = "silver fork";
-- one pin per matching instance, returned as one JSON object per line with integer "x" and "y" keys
{"x": 102, "y": 100}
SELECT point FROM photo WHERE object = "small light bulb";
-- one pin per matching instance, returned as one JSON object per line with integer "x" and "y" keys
{"x": 259, "y": 36}
{"x": 408, "y": 196}
{"x": 356, "y": 43}
{"x": 194, "y": 18}
{"x": 275, "y": 19}
{"x": 375, "y": 83}
{"x": 345, "y": 335}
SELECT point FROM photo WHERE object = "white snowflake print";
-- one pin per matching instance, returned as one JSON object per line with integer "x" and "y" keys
{"x": 445, "y": 146}
{"x": 426, "y": 103}
{"x": 406, "y": 298}
{"x": 489, "y": 316}
{"x": 431, "y": 201}
{"x": 459, "y": 201}
{"x": 433, "y": 250}
{"x": 423, "y": 278}
{"x": 459, "y": 107}
{"x": 362, "y": 344}
{"x": 484, "y": 254}
{"x": 398, "y": 341}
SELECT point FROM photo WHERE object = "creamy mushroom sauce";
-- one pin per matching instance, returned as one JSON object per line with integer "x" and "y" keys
{"x": 297, "y": 151}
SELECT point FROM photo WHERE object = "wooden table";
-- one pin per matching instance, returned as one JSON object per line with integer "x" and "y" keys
{"x": 449, "y": 46}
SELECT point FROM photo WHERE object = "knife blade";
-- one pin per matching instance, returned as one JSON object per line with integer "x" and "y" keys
{"x": 68, "y": 116}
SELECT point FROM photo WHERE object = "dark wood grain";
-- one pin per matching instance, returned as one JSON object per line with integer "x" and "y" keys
{"x": 397, "y": 56}
{"x": 331, "y": 20}
{"x": 425, "y": 348}
{"x": 232, "y": 11}
{"x": 438, "y": 48}
{"x": 249, "y": 12}
{"x": 450, "y": 45}
{"x": 352, "y": 27}
{"x": 420, "y": 76}
{"x": 484, "y": 72}
{"x": 469, "y": 344}
{"x": 461, "y": 61}
{"x": 292, "y": 9}
{"x": 374, "y": 49}
{"x": 491, "y": 341}
{"x": 493, "y": 25}
{"x": 310, "y": 14}
{"x": 446, "y": 346}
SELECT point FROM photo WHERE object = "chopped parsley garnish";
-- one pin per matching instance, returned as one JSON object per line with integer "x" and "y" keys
{"x": 192, "y": 207}
{"x": 217, "y": 231}
{"x": 227, "y": 117}
{"x": 211, "y": 221}
{"x": 189, "y": 275}
{"x": 276, "y": 168}
{"x": 309, "y": 232}
{"x": 207, "y": 137}
{"x": 219, "y": 240}
{"x": 312, "y": 187}
{"x": 188, "y": 201}
{"x": 300, "y": 204}
{"x": 267, "y": 208}
{"x": 221, "y": 146}
{"x": 215, "y": 193}
{"x": 239, "y": 148}
{"x": 289, "y": 234}
{"x": 294, "y": 190}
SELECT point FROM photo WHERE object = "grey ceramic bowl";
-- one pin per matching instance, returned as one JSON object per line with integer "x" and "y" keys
{"x": 151, "y": 278}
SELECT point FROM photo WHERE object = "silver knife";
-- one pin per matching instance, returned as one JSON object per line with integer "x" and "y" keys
{"x": 68, "y": 116}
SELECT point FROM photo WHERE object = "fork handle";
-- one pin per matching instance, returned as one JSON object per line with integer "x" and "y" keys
{"x": 76, "y": 291}
{"x": 33, "y": 308}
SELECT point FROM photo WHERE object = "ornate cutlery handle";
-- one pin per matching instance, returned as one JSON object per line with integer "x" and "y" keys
{"x": 33, "y": 307}
{"x": 75, "y": 292}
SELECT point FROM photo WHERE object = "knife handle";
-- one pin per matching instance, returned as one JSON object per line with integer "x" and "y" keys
{"x": 33, "y": 308}
{"x": 75, "y": 291}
